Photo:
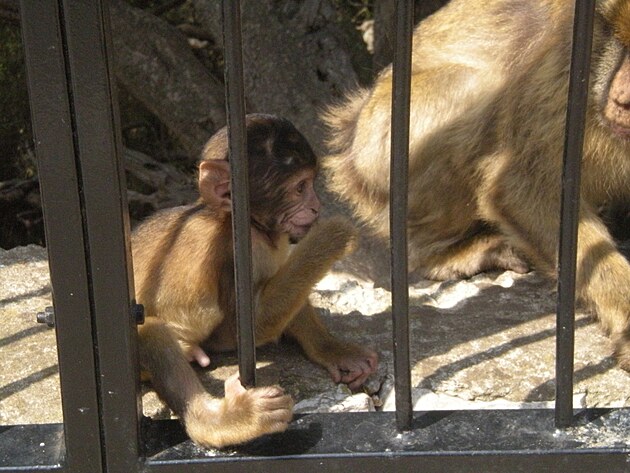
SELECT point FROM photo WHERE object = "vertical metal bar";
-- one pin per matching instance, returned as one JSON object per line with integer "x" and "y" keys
{"x": 98, "y": 144}
{"x": 235, "y": 101}
{"x": 401, "y": 96}
{"x": 574, "y": 139}
{"x": 53, "y": 129}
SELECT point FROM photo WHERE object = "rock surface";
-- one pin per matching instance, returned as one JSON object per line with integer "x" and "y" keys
{"x": 486, "y": 342}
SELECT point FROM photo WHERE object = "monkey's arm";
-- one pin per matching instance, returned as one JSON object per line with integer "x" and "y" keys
{"x": 288, "y": 290}
{"x": 240, "y": 416}
{"x": 346, "y": 362}
{"x": 603, "y": 281}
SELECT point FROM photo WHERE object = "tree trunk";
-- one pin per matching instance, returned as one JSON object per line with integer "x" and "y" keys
{"x": 155, "y": 64}
{"x": 384, "y": 22}
{"x": 297, "y": 58}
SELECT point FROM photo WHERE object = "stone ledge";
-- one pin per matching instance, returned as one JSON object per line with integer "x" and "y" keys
{"x": 482, "y": 343}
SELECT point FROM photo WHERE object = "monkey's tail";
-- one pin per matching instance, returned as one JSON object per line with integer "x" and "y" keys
{"x": 369, "y": 203}
{"x": 341, "y": 120}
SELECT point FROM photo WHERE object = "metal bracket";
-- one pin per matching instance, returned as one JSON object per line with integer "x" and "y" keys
{"x": 137, "y": 313}
{"x": 47, "y": 317}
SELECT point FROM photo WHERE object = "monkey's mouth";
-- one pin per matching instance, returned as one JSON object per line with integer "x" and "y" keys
{"x": 617, "y": 117}
{"x": 297, "y": 233}
{"x": 621, "y": 131}
{"x": 301, "y": 230}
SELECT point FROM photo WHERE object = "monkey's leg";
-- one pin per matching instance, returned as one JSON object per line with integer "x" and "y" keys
{"x": 191, "y": 328}
{"x": 240, "y": 416}
{"x": 603, "y": 274}
{"x": 476, "y": 253}
{"x": 346, "y": 362}
{"x": 288, "y": 290}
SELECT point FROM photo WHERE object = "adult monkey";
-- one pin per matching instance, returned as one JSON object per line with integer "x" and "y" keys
{"x": 489, "y": 94}
{"x": 184, "y": 275}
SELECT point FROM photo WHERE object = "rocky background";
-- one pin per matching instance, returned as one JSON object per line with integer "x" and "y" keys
{"x": 486, "y": 342}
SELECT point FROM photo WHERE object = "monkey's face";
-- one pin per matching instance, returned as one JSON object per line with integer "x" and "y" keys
{"x": 616, "y": 110}
{"x": 612, "y": 78}
{"x": 301, "y": 205}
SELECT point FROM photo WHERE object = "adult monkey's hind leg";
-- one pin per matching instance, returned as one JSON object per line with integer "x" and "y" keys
{"x": 482, "y": 249}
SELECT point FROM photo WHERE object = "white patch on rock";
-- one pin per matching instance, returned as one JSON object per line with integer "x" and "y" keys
{"x": 342, "y": 293}
{"x": 426, "y": 400}
{"x": 339, "y": 400}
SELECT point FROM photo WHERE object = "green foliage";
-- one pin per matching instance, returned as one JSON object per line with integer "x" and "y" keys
{"x": 15, "y": 127}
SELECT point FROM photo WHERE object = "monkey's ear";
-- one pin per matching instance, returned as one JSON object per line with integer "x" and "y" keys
{"x": 214, "y": 183}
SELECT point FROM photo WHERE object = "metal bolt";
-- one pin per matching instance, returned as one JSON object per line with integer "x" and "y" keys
{"x": 137, "y": 313}
{"x": 47, "y": 317}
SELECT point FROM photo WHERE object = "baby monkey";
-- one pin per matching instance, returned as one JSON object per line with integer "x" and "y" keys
{"x": 184, "y": 276}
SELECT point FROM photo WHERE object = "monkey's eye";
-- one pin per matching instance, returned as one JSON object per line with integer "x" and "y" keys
{"x": 300, "y": 187}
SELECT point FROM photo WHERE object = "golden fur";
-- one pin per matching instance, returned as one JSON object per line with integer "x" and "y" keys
{"x": 489, "y": 95}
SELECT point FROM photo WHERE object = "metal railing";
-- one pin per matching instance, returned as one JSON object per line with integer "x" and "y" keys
{"x": 77, "y": 136}
{"x": 574, "y": 139}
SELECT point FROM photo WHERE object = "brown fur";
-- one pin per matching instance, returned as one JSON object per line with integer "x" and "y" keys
{"x": 620, "y": 18}
{"x": 489, "y": 95}
{"x": 183, "y": 268}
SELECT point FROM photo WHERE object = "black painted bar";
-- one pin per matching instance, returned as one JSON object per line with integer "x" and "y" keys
{"x": 106, "y": 224}
{"x": 401, "y": 96}
{"x": 487, "y": 441}
{"x": 35, "y": 448}
{"x": 235, "y": 104}
{"x": 574, "y": 139}
{"x": 52, "y": 117}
